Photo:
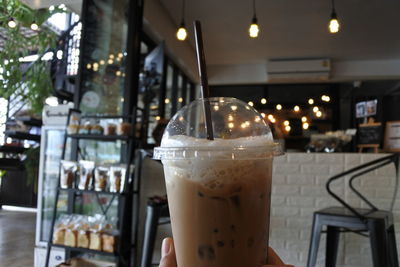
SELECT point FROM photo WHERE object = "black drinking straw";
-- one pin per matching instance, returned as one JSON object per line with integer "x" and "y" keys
{"x": 205, "y": 90}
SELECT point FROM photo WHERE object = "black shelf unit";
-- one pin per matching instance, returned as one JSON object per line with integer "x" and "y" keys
{"x": 126, "y": 246}
{"x": 98, "y": 137}
{"x": 87, "y": 250}
{"x": 22, "y": 135}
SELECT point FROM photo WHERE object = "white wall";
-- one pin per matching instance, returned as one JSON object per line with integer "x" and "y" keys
{"x": 341, "y": 71}
{"x": 299, "y": 190}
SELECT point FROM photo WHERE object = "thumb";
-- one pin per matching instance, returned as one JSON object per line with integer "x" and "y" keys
{"x": 168, "y": 258}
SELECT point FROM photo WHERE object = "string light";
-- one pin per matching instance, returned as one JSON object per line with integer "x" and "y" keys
{"x": 279, "y": 107}
{"x": 303, "y": 119}
{"x": 166, "y": 101}
{"x": 180, "y": 100}
{"x": 296, "y": 108}
{"x": 263, "y": 115}
{"x": 310, "y": 101}
{"x": 318, "y": 114}
{"x": 250, "y": 103}
{"x": 158, "y": 118}
{"x": 305, "y": 125}
{"x": 12, "y": 23}
{"x": 286, "y": 123}
{"x": 34, "y": 26}
{"x": 234, "y": 107}
{"x": 325, "y": 98}
{"x": 288, "y": 128}
{"x": 263, "y": 101}
{"x": 89, "y": 66}
{"x": 110, "y": 61}
{"x": 181, "y": 33}
{"x": 270, "y": 116}
{"x": 216, "y": 108}
{"x": 102, "y": 62}
{"x": 315, "y": 109}
{"x": 273, "y": 120}
{"x": 231, "y": 125}
{"x": 254, "y": 29}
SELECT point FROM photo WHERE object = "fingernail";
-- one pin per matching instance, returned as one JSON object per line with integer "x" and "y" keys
{"x": 166, "y": 247}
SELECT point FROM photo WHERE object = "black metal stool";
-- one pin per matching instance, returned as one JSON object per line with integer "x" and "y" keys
{"x": 378, "y": 223}
{"x": 157, "y": 213}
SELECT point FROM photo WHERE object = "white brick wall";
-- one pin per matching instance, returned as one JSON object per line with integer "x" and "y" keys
{"x": 299, "y": 190}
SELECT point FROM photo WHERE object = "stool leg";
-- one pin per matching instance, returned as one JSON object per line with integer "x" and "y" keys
{"x": 332, "y": 244}
{"x": 150, "y": 231}
{"x": 378, "y": 239}
{"x": 394, "y": 261}
{"x": 314, "y": 242}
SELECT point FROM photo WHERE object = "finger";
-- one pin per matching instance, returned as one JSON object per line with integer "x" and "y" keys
{"x": 273, "y": 258}
{"x": 168, "y": 258}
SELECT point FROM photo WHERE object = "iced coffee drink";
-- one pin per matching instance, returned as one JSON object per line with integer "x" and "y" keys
{"x": 219, "y": 190}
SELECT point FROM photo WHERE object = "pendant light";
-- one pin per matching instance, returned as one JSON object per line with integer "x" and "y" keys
{"x": 181, "y": 33}
{"x": 254, "y": 29}
{"x": 334, "y": 25}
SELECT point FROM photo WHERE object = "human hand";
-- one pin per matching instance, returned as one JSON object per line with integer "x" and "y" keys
{"x": 168, "y": 258}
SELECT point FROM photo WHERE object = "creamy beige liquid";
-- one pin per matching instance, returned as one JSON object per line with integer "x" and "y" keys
{"x": 219, "y": 211}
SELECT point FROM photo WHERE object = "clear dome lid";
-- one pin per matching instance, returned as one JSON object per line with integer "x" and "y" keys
{"x": 236, "y": 126}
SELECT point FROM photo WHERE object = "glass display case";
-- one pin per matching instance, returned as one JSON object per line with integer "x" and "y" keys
{"x": 50, "y": 156}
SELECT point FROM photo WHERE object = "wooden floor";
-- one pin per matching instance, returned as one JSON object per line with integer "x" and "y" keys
{"x": 17, "y": 238}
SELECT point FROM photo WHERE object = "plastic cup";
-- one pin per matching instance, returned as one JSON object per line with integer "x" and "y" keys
{"x": 219, "y": 190}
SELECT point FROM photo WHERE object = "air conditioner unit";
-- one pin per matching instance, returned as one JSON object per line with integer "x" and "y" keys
{"x": 298, "y": 70}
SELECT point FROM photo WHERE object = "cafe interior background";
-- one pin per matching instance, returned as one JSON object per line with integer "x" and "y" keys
{"x": 325, "y": 76}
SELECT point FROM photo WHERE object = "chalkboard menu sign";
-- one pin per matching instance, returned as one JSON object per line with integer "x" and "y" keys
{"x": 370, "y": 134}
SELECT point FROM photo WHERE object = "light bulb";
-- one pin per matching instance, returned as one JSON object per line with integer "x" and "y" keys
{"x": 310, "y": 101}
{"x": 12, "y": 24}
{"x": 318, "y": 114}
{"x": 315, "y": 109}
{"x": 286, "y": 123}
{"x": 158, "y": 118}
{"x": 180, "y": 100}
{"x": 279, "y": 107}
{"x": 102, "y": 62}
{"x": 263, "y": 101}
{"x": 110, "y": 61}
{"x": 181, "y": 34}
{"x": 263, "y": 114}
{"x": 334, "y": 25}
{"x": 166, "y": 101}
{"x": 296, "y": 108}
{"x": 270, "y": 116}
{"x": 288, "y": 128}
{"x": 305, "y": 126}
{"x": 250, "y": 103}
{"x": 34, "y": 26}
{"x": 304, "y": 119}
{"x": 254, "y": 30}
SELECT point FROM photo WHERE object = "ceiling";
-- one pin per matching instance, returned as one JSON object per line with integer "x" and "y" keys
{"x": 292, "y": 29}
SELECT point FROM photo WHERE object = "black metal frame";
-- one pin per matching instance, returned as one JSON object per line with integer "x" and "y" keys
{"x": 361, "y": 170}
{"x": 124, "y": 249}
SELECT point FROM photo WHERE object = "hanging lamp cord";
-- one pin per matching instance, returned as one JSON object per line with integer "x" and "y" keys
{"x": 254, "y": 9}
{"x": 333, "y": 6}
{"x": 183, "y": 12}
